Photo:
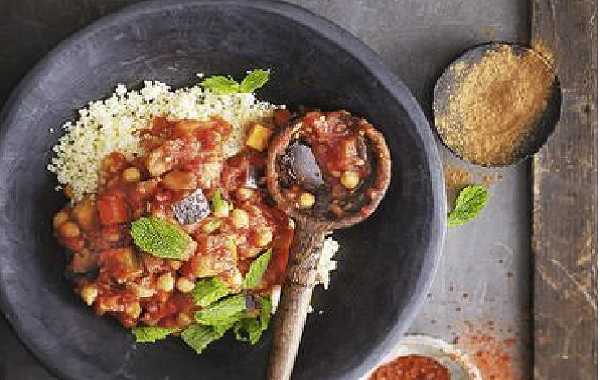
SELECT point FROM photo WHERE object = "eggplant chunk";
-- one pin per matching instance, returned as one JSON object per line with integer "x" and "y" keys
{"x": 192, "y": 208}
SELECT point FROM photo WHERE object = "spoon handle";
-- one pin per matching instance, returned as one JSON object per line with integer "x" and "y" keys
{"x": 295, "y": 299}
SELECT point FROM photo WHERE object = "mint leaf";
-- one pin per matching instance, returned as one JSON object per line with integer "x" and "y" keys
{"x": 150, "y": 334}
{"x": 257, "y": 270}
{"x": 199, "y": 337}
{"x": 208, "y": 291}
{"x": 471, "y": 200}
{"x": 251, "y": 329}
{"x": 160, "y": 238}
{"x": 254, "y": 80}
{"x": 221, "y": 85}
{"x": 224, "y": 312}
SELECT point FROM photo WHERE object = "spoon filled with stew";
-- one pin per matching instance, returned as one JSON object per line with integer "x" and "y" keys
{"x": 326, "y": 170}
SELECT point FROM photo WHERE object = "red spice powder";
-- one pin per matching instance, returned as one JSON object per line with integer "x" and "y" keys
{"x": 412, "y": 367}
{"x": 491, "y": 355}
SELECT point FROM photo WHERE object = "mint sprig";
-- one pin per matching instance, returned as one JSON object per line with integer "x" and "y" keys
{"x": 251, "y": 329}
{"x": 222, "y": 85}
{"x": 224, "y": 312}
{"x": 160, "y": 238}
{"x": 209, "y": 290}
{"x": 150, "y": 334}
{"x": 471, "y": 200}
{"x": 257, "y": 270}
{"x": 199, "y": 337}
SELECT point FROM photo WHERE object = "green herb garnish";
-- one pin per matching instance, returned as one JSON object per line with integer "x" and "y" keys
{"x": 150, "y": 334}
{"x": 222, "y": 85}
{"x": 471, "y": 200}
{"x": 199, "y": 337}
{"x": 224, "y": 312}
{"x": 254, "y": 80}
{"x": 257, "y": 270}
{"x": 251, "y": 329}
{"x": 209, "y": 290}
{"x": 160, "y": 238}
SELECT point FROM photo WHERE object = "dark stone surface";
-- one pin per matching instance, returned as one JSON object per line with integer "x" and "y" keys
{"x": 169, "y": 41}
{"x": 416, "y": 39}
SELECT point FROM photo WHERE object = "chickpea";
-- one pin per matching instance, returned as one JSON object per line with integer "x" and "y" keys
{"x": 240, "y": 218}
{"x": 165, "y": 282}
{"x": 183, "y": 319}
{"x": 89, "y": 293}
{"x": 59, "y": 218}
{"x": 131, "y": 174}
{"x": 68, "y": 230}
{"x": 85, "y": 214}
{"x": 306, "y": 200}
{"x": 264, "y": 236}
{"x": 185, "y": 285}
{"x": 244, "y": 194}
{"x": 350, "y": 179}
{"x": 133, "y": 310}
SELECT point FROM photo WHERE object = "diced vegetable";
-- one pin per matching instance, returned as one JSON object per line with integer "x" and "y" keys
{"x": 160, "y": 238}
{"x": 258, "y": 137}
{"x": 131, "y": 174}
{"x": 113, "y": 209}
{"x": 219, "y": 205}
{"x": 150, "y": 334}
{"x": 208, "y": 291}
{"x": 191, "y": 209}
{"x": 240, "y": 218}
{"x": 123, "y": 263}
{"x": 179, "y": 180}
{"x": 257, "y": 270}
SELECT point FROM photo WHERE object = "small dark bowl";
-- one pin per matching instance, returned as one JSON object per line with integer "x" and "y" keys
{"x": 448, "y": 82}
{"x": 385, "y": 264}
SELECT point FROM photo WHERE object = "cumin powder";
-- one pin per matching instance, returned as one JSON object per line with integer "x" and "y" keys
{"x": 495, "y": 105}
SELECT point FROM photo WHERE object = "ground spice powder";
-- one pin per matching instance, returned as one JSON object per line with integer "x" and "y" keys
{"x": 495, "y": 105}
{"x": 411, "y": 367}
{"x": 490, "y": 354}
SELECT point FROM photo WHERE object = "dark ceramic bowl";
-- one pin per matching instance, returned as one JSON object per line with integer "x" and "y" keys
{"x": 385, "y": 264}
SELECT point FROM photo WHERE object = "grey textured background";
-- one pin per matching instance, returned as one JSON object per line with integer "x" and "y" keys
{"x": 484, "y": 274}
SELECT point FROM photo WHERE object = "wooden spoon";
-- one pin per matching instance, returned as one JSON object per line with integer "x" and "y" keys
{"x": 310, "y": 231}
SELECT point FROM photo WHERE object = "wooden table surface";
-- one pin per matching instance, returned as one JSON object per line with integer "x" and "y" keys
{"x": 489, "y": 283}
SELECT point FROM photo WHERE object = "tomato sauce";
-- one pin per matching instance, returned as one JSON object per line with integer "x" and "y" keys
{"x": 116, "y": 278}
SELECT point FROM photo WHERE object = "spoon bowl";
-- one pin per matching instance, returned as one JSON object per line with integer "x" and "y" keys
{"x": 310, "y": 231}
